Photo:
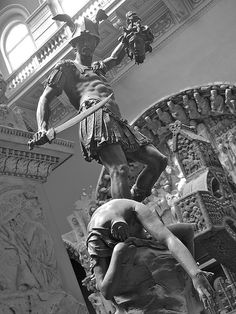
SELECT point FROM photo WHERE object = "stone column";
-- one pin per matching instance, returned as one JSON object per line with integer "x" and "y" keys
{"x": 36, "y": 275}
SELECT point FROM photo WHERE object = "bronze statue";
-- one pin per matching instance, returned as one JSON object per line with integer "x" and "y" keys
{"x": 138, "y": 272}
{"x": 105, "y": 135}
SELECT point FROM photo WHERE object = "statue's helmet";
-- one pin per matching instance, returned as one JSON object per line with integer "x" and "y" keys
{"x": 87, "y": 27}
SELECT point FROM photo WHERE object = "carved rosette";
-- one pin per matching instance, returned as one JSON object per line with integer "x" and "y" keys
{"x": 17, "y": 160}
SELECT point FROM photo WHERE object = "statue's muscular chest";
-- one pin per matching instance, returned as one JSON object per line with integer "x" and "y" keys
{"x": 79, "y": 82}
{"x": 86, "y": 78}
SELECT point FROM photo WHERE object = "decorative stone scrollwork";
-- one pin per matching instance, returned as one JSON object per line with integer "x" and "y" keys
{"x": 17, "y": 160}
{"x": 26, "y": 164}
{"x": 225, "y": 292}
{"x": 207, "y": 198}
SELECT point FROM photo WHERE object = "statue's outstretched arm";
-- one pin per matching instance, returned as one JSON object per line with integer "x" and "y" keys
{"x": 163, "y": 235}
{"x": 115, "y": 58}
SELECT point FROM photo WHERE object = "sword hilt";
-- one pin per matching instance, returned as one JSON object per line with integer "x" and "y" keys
{"x": 46, "y": 138}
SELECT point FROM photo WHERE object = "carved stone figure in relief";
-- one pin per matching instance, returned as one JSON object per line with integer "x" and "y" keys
{"x": 217, "y": 102}
{"x": 29, "y": 277}
{"x": 203, "y": 104}
{"x": 191, "y": 107}
{"x": 164, "y": 116}
{"x": 154, "y": 125}
{"x": 232, "y": 146}
{"x": 226, "y": 161}
{"x": 230, "y": 100}
{"x": 32, "y": 247}
{"x": 178, "y": 112}
{"x": 136, "y": 267}
{"x": 105, "y": 136}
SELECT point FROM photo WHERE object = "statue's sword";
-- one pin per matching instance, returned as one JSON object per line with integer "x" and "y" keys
{"x": 52, "y": 132}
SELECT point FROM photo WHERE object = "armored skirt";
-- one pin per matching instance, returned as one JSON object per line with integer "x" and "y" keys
{"x": 103, "y": 128}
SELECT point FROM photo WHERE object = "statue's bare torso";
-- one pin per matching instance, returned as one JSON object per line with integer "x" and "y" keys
{"x": 89, "y": 85}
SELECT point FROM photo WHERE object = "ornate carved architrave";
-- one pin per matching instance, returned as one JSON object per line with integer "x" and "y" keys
{"x": 17, "y": 160}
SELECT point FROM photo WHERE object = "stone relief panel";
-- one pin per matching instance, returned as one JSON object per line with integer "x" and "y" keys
{"x": 29, "y": 278}
{"x": 10, "y": 118}
{"x": 26, "y": 164}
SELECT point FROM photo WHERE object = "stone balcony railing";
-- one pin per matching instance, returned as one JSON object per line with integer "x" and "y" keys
{"x": 36, "y": 61}
{"x": 164, "y": 17}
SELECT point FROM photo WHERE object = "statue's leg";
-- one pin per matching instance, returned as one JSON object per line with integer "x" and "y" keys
{"x": 155, "y": 163}
{"x": 185, "y": 233}
{"x": 114, "y": 160}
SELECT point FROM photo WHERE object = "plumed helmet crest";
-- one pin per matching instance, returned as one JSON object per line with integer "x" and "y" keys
{"x": 87, "y": 27}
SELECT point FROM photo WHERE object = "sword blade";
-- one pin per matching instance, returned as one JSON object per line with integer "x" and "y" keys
{"x": 81, "y": 115}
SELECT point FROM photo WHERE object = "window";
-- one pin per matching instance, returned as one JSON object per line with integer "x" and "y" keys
{"x": 18, "y": 45}
{"x": 71, "y": 7}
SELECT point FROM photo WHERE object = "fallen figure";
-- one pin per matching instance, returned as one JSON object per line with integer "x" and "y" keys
{"x": 141, "y": 265}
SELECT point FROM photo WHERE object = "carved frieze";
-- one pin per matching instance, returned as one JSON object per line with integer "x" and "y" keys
{"x": 17, "y": 160}
{"x": 26, "y": 164}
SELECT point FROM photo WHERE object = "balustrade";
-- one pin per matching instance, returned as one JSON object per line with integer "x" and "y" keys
{"x": 52, "y": 47}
